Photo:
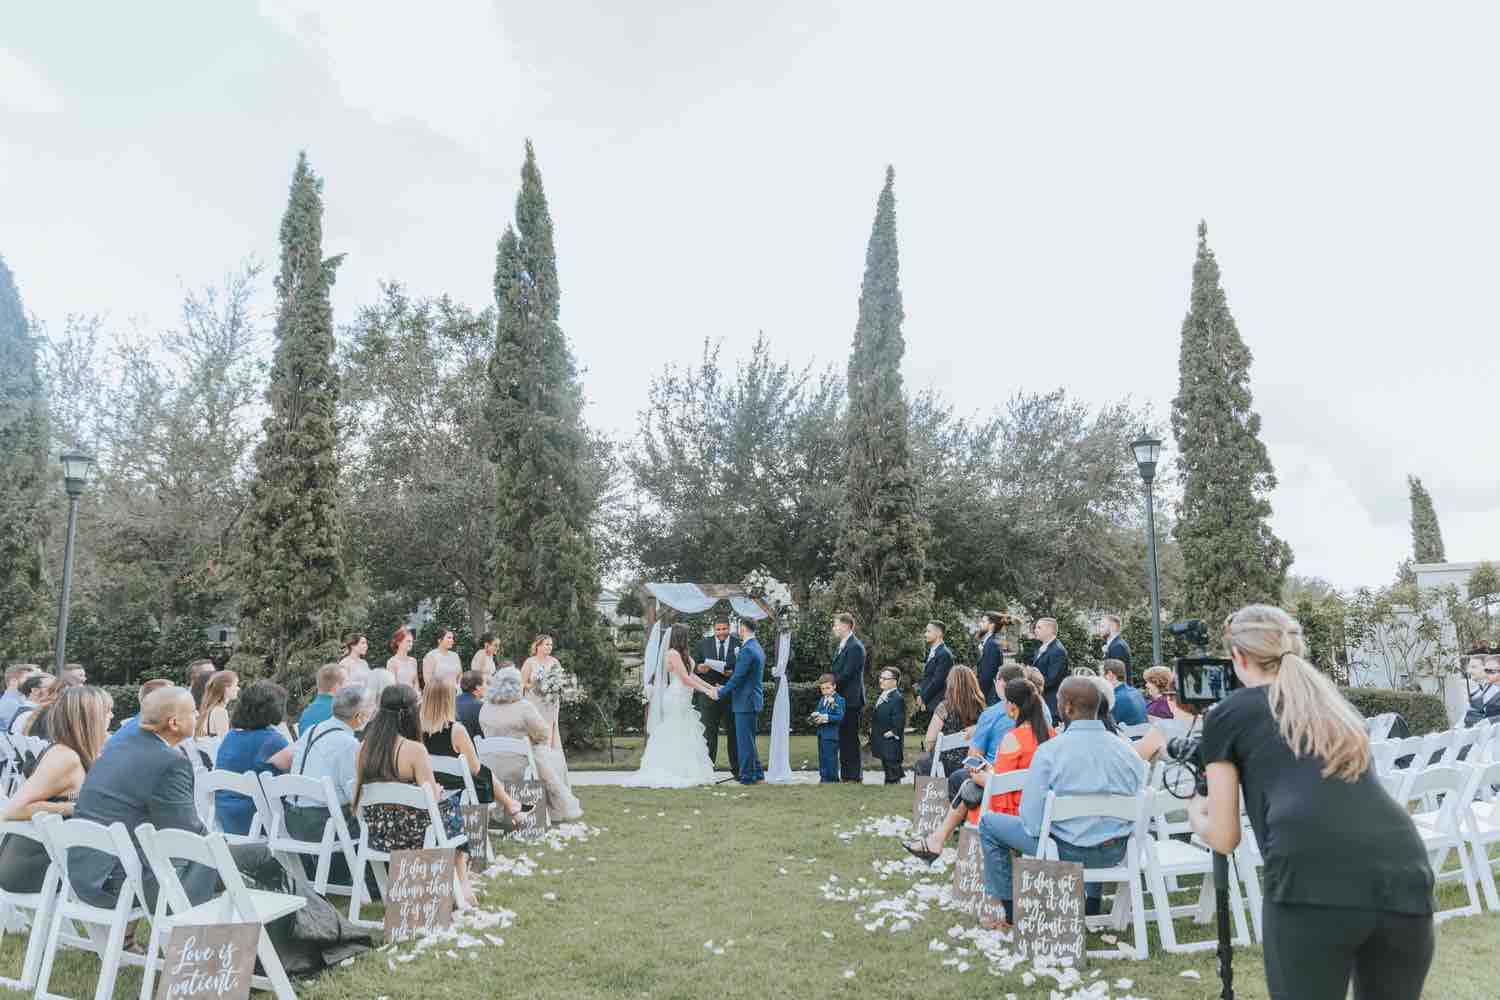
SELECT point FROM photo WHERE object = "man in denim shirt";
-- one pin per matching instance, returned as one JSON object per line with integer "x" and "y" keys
{"x": 1084, "y": 759}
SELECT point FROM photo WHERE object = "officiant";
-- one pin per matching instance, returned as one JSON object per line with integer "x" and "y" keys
{"x": 723, "y": 647}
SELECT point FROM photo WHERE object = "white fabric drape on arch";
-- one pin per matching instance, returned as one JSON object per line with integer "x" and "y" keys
{"x": 654, "y": 674}
{"x": 779, "y": 768}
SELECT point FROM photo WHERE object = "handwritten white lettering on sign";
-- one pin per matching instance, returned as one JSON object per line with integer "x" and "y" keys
{"x": 534, "y": 793}
{"x": 1049, "y": 910}
{"x": 477, "y": 828}
{"x": 931, "y": 805}
{"x": 419, "y": 893}
{"x": 209, "y": 960}
{"x": 968, "y": 879}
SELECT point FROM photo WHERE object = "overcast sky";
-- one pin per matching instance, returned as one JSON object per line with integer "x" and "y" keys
{"x": 712, "y": 170}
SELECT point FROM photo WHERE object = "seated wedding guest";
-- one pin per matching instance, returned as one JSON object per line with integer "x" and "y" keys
{"x": 253, "y": 745}
{"x": 1039, "y": 682}
{"x": 11, "y": 701}
{"x": 444, "y": 736}
{"x": 1159, "y": 683}
{"x": 1484, "y": 701}
{"x": 131, "y": 724}
{"x": 222, "y": 690}
{"x": 393, "y": 751}
{"x": 79, "y": 724}
{"x": 329, "y": 750}
{"x": 1023, "y": 704}
{"x": 1083, "y": 759}
{"x": 958, "y": 711}
{"x": 827, "y": 716}
{"x": 33, "y": 691}
{"x": 888, "y": 728}
{"x": 199, "y": 672}
{"x": 34, "y": 722}
{"x": 507, "y": 713}
{"x": 472, "y": 689}
{"x": 356, "y": 645}
{"x": 331, "y": 677}
{"x": 1129, "y": 706}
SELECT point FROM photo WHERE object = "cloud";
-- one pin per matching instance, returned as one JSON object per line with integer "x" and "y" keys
{"x": 448, "y": 67}
{"x": 23, "y": 88}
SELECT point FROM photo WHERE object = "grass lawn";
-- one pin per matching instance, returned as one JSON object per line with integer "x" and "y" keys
{"x": 627, "y": 914}
{"x": 803, "y": 754}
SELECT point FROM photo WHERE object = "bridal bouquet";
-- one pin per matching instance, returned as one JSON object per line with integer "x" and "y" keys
{"x": 553, "y": 683}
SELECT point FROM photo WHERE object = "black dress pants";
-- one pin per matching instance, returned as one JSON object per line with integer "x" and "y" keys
{"x": 714, "y": 714}
{"x": 851, "y": 764}
{"x": 1311, "y": 951}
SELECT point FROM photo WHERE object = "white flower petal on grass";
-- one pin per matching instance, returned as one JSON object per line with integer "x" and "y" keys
{"x": 496, "y": 941}
{"x": 828, "y": 935}
{"x": 781, "y": 871}
{"x": 660, "y": 814}
{"x": 1190, "y": 974}
{"x": 963, "y": 966}
{"x": 718, "y": 951}
{"x": 936, "y": 945}
{"x": 708, "y": 946}
{"x": 848, "y": 973}
{"x": 1123, "y": 984}
{"x": 550, "y": 897}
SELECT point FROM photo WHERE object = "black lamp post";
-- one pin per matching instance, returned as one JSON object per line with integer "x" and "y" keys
{"x": 1146, "y": 451}
{"x": 76, "y": 470}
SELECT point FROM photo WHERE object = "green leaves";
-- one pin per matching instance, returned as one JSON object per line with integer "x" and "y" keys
{"x": 1426, "y": 535}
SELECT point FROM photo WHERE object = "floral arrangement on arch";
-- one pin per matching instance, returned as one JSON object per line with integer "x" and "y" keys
{"x": 777, "y": 595}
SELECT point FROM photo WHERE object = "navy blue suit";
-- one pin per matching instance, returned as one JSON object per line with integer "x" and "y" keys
{"x": 1054, "y": 667}
{"x": 991, "y": 658}
{"x": 747, "y": 698}
{"x": 1119, "y": 649}
{"x": 828, "y": 737}
{"x": 935, "y": 676}
{"x": 849, "y": 680}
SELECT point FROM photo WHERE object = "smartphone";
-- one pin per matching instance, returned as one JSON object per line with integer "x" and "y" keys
{"x": 974, "y": 762}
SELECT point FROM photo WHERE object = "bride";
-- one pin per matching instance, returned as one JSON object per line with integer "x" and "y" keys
{"x": 676, "y": 754}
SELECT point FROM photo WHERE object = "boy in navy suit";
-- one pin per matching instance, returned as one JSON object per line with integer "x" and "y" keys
{"x": 888, "y": 731}
{"x": 829, "y": 714}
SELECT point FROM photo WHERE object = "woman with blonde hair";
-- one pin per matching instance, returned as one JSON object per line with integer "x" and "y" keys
{"x": 79, "y": 725}
{"x": 540, "y": 662}
{"x": 1347, "y": 887}
{"x": 213, "y": 714}
{"x": 444, "y": 736}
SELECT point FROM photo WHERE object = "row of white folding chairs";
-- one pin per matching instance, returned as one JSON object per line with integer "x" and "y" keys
{"x": 15, "y": 747}
{"x": 58, "y": 912}
{"x": 1440, "y": 747}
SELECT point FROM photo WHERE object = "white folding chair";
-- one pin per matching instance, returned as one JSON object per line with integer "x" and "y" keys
{"x": 1131, "y": 809}
{"x": 1383, "y": 756}
{"x": 105, "y": 926}
{"x": 947, "y": 741}
{"x": 279, "y": 788}
{"x": 1379, "y": 726}
{"x": 39, "y": 904}
{"x": 396, "y": 794}
{"x": 236, "y": 904}
{"x": 208, "y": 745}
{"x": 998, "y": 784}
{"x": 1441, "y": 827}
{"x": 1463, "y": 745}
{"x": 1481, "y": 824}
{"x": 247, "y": 784}
{"x": 457, "y": 767}
{"x": 487, "y": 745}
{"x": 1166, "y": 858}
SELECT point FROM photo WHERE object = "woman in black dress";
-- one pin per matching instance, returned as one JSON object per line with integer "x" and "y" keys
{"x": 444, "y": 736}
{"x": 1347, "y": 887}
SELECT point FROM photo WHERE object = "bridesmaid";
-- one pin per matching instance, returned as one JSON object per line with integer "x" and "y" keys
{"x": 441, "y": 663}
{"x": 540, "y": 660}
{"x": 354, "y": 663}
{"x": 402, "y": 665}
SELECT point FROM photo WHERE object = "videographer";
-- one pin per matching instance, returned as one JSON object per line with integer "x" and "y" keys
{"x": 1348, "y": 888}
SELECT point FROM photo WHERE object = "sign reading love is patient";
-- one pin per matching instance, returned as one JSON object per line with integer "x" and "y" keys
{"x": 419, "y": 893}
{"x": 931, "y": 805}
{"x": 209, "y": 960}
{"x": 1049, "y": 910}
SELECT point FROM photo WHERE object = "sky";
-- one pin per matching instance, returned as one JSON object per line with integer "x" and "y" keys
{"x": 712, "y": 170}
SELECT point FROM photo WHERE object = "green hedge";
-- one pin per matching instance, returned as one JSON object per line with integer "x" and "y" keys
{"x": 1424, "y": 713}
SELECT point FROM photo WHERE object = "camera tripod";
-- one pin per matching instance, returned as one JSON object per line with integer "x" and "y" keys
{"x": 1225, "y": 950}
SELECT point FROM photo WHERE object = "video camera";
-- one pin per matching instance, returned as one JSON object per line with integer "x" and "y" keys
{"x": 1202, "y": 682}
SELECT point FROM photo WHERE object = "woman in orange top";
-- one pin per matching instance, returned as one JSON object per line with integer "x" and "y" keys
{"x": 1023, "y": 703}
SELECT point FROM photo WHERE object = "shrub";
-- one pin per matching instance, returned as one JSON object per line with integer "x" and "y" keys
{"x": 1424, "y": 713}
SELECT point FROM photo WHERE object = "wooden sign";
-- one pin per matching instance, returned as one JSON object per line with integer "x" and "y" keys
{"x": 931, "y": 806}
{"x": 419, "y": 894}
{"x": 477, "y": 827}
{"x": 1049, "y": 910}
{"x": 209, "y": 960}
{"x": 968, "y": 878}
{"x": 533, "y": 823}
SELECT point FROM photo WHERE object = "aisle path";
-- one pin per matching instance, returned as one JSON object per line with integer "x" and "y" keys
{"x": 617, "y": 778}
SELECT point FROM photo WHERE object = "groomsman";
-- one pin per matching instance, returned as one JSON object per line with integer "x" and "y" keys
{"x": 935, "y": 671}
{"x": 723, "y": 647}
{"x": 991, "y": 656}
{"x": 1051, "y": 659}
{"x": 849, "y": 680}
{"x": 1115, "y": 646}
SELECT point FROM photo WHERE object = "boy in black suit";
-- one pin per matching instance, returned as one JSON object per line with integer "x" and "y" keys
{"x": 887, "y": 732}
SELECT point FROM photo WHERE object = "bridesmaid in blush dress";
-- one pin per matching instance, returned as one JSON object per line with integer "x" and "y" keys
{"x": 540, "y": 660}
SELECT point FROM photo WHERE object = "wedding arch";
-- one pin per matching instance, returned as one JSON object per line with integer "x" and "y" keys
{"x": 663, "y": 601}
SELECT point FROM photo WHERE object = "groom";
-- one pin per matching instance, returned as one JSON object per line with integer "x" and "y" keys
{"x": 747, "y": 698}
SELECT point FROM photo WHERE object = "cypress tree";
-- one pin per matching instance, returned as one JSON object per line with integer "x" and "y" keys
{"x": 1426, "y": 535}
{"x": 292, "y": 571}
{"x": 546, "y": 569}
{"x": 883, "y": 538}
{"x": 23, "y": 486}
{"x": 1232, "y": 558}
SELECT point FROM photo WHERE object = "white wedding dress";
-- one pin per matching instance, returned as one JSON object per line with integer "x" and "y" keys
{"x": 676, "y": 752}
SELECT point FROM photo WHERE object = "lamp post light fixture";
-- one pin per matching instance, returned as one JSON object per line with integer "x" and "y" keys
{"x": 77, "y": 468}
{"x": 1147, "y": 450}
